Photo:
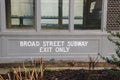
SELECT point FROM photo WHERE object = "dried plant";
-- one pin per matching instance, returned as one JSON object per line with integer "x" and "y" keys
{"x": 41, "y": 68}
{"x": 28, "y": 75}
{"x": 1, "y": 78}
{"x": 9, "y": 77}
{"x": 93, "y": 61}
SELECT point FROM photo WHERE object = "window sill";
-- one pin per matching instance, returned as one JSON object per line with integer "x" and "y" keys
{"x": 55, "y": 33}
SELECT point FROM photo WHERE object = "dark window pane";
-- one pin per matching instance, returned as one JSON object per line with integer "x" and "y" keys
{"x": 87, "y": 14}
{"x": 54, "y": 14}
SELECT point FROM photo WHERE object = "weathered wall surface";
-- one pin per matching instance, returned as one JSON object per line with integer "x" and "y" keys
{"x": 24, "y": 45}
{"x": 17, "y": 47}
{"x": 0, "y": 47}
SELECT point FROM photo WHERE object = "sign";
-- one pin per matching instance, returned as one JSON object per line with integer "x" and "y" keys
{"x": 52, "y": 46}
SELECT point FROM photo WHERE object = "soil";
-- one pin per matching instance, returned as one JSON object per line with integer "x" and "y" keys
{"x": 66, "y": 74}
{"x": 77, "y": 75}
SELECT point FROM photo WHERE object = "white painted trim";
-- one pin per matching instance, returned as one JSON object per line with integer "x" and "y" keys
{"x": 0, "y": 46}
{"x": 104, "y": 15}
{"x": 51, "y": 54}
{"x": 4, "y": 47}
{"x": 38, "y": 15}
{"x": 3, "y": 15}
{"x": 54, "y": 33}
{"x": 71, "y": 15}
{"x": 0, "y": 17}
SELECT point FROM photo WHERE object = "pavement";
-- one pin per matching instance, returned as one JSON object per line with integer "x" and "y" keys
{"x": 5, "y": 70}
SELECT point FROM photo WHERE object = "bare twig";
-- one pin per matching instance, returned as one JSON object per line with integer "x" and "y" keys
{"x": 9, "y": 77}
{"x": 1, "y": 78}
{"x": 41, "y": 68}
{"x": 93, "y": 62}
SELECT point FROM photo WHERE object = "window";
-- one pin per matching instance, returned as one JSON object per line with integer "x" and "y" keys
{"x": 20, "y": 14}
{"x": 54, "y": 14}
{"x": 87, "y": 14}
{"x": 78, "y": 14}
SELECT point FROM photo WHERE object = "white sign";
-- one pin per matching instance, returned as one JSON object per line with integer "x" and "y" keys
{"x": 53, "y": 46}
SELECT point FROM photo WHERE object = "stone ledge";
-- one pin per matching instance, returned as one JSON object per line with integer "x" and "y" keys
{"x": 56, "y": 64}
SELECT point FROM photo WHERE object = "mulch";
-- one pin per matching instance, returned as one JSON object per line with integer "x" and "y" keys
{"x": 81, "y": 74}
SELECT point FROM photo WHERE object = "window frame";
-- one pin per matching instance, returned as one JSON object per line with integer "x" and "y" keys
{"x": 9, "y": 19}
{"x": 58, "y": 27}
{"x": 38, "y": 19}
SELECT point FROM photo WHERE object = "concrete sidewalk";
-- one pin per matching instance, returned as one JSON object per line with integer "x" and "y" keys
{"x": 5, "y": 70}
